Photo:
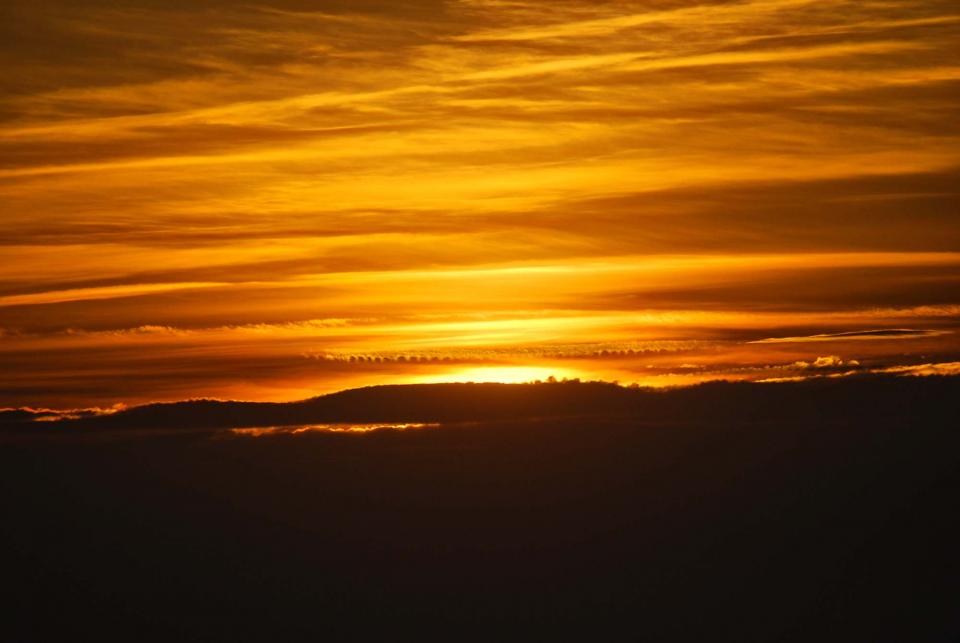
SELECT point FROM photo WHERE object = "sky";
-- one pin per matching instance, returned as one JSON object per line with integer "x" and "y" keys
{"x": 279, "y": 199}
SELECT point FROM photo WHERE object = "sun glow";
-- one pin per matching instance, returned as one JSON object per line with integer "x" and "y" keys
{"x": 501, "y": 374}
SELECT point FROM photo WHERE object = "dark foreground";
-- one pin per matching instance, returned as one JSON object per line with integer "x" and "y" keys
{"x": 825, "y": 528}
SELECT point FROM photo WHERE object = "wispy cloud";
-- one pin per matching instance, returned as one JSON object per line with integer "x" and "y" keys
{"x": 945, "y": 368}
{"x": 189, "y": 188}
{"x": 881, "y": 334}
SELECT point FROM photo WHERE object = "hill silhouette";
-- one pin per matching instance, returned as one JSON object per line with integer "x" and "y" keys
{"x": 862, "y": 399}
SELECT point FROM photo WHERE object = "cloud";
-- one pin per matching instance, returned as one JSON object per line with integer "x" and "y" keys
{"x": 827, "y": 362}
{"x": 20, "y": 416}
{"x": 881, "y": 334}
{"x": 105, "y": 292}
{"x": 188, "y": 187}
{"x": 943, "y": 368}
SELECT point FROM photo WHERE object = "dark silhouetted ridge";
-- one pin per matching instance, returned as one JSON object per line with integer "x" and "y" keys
{"x": 860, "y": 399}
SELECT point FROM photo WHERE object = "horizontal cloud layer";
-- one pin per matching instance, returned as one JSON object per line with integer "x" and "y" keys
{"x": 274, "y": 199}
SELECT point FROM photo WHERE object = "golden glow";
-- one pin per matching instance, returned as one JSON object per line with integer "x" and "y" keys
{"x": 264, "y": 201}
{"x": 327, "y": 428}
{"x": 503, "y": 374}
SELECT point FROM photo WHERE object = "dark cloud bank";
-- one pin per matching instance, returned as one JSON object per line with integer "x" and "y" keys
{"x": 805, "y": 511}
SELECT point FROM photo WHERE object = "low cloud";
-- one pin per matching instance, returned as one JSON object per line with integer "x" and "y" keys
{"x": 827, "y": 361}
{"x": 889, "y": 333}
{"x": 942, "y": 368}
{"x": 29, "y": 414}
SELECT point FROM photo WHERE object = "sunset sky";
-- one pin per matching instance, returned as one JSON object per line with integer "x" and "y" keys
{"x": 277, "y": 199}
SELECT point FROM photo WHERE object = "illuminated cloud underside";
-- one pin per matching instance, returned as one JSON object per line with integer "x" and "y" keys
{"x": 279, "y": 200}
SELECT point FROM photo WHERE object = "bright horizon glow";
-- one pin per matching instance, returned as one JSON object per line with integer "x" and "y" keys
{"x": 498, "y": 374}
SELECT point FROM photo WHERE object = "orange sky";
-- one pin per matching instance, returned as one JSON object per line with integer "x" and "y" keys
{"x": 278, "y": 199}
